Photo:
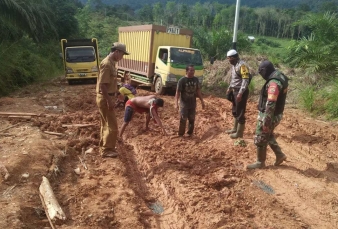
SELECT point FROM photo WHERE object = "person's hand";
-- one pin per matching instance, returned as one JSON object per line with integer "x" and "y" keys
{"x": 110, "y": 105}
{"x": 239, "y": 97}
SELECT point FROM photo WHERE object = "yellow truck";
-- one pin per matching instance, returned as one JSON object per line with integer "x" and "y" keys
{"x": 80, "y": 59}
{"x": 158, "y": 56}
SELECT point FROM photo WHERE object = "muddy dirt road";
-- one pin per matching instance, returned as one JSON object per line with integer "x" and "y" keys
{"x": 161, "y": 182}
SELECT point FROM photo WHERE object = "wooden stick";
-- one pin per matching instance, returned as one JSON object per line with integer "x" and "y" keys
{"x": 53, "y": 133}
{"x": 8, "y": 190}
{"x": 10, "y": 127}
{"x": 84, "y": 165}
{"x": 18, "y": 113}
{"x": 20, "y": 117}
{"x": 77, "y": 125}
{"x": 5, "y": 134}
{"x": 45, "y": 207}
{"x": 53, "y": 208}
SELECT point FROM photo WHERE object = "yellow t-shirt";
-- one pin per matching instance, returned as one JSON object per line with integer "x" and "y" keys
{"x": 126, "y": 92}
{"x": 108, "y": 75}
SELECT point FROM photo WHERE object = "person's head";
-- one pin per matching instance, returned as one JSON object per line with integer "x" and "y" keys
{"x": 232, "y": 56}
{"x": 118, "y": 50}
{"x": 159, "y": 102}
{"x": 265, "y": 69}
{"x": 190, "y": 70}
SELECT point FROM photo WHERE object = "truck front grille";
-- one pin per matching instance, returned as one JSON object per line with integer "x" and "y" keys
{"x": 82, "y": 70}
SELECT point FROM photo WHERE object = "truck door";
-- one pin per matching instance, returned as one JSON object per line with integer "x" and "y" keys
{"x": 161, "y": 69}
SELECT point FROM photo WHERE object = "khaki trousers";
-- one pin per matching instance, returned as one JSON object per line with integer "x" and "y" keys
{"x": 109, "y": 129}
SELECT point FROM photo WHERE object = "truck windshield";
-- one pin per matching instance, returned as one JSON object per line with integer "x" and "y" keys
{"x": 80, "y": 54}
{"x": 183, "y": 56}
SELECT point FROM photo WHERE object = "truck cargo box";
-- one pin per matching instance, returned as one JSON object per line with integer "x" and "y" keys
{"x": 142, "y": 42}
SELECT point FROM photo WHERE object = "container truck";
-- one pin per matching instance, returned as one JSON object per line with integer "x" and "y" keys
{"x": 80, "y": 59}
{"x": 158, "y": 56}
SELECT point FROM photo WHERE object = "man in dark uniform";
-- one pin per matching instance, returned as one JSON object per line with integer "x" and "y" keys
{"x": 238, "y": 88}
{"x": 106, "y": 90}
{"x": 271, "y": 107}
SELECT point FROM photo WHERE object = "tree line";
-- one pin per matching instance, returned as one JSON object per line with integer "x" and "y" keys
{"x": 30, "y": 31}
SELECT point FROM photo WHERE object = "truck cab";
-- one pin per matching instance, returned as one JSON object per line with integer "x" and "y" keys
{"x": 171, "y": 64}
{"x": 80, "y": 59}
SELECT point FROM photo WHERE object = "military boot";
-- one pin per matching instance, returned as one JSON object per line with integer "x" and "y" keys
{"x": 261, "y": 157}
{"x": 239, "y": 133}
{"x": 234, "y": 129}
{"x": 280, "y": 156}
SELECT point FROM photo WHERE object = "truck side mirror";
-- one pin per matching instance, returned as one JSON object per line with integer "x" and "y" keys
{"x": 212, "y": 60}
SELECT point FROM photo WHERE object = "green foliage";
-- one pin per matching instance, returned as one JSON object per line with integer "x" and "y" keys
{"x": 316, "y": 53}
{"x": 34, "y": 18}
{"x": 331, "y": 97}
{"x": 24, "y": 62}
{"x": 261, "y": 41}
{"x": 307, "y": 96}
{"x": 95, "y": 24}
{"x": 216, "y": 43}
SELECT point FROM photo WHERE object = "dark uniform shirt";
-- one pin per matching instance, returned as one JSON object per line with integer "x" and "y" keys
{"x": 188, "y": 88}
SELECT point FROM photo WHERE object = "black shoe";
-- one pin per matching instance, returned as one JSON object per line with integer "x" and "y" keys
{"x": 111, "y": 154}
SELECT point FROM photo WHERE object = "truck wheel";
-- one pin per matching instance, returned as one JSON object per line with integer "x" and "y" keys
{"x": 70, "y": 82}
{"x": 159, "y": 89}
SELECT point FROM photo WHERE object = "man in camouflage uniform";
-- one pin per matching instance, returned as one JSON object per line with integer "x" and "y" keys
{"x": 271, "y": 107}
{"x": 239, "y": 91}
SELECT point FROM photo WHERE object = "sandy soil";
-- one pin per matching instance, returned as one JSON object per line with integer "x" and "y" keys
{"x": 157, "y": 181}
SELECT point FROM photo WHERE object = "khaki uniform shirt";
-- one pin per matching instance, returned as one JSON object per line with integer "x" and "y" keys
{"x": 107, "y": 75}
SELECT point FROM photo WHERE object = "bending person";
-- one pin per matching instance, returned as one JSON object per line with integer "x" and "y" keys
{"x": 143, "y": 104}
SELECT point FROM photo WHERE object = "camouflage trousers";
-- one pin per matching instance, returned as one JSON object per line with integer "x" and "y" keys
{"x": 266, "y": 137}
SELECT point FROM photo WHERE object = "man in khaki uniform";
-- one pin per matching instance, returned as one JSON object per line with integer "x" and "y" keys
{"x": 106, "y": 89}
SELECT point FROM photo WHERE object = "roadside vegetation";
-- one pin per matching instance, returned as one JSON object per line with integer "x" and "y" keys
{"x": 301, "y": 41}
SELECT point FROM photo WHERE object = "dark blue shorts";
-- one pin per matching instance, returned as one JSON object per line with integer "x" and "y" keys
{"x": 128, "y": 114}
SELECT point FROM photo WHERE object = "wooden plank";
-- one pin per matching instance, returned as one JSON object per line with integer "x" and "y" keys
{"x": 78, "y": 125}
{"x": 18, "y": 114}
{"x": 20, "y": 117}
{"x": 54, "y": 133}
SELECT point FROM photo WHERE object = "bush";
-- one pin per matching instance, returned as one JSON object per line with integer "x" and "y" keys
{"x": 307, "y": 97}
{"x": 24, "y": 62}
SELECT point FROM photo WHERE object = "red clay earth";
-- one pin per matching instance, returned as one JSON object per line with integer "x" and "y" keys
{"x": 160, "y": 181}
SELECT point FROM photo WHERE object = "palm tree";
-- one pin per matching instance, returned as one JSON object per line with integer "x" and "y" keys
{"x": 317, "y": 52}
{"x": 32, "y": 17}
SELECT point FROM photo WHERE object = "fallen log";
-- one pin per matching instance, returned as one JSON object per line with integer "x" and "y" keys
{"x": 78, "y": 125}
{"x": 50, "y": 203}
{"x": 54, "y": 133}
{"x": 19, "y": 114}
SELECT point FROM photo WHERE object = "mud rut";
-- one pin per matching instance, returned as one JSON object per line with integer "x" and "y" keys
{"x": 171, "y": 182}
